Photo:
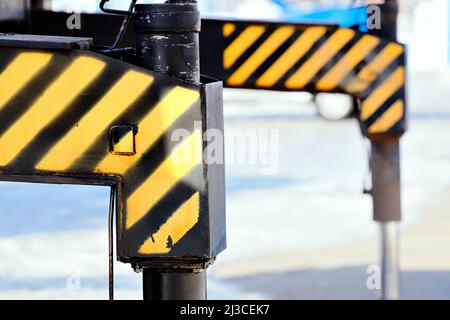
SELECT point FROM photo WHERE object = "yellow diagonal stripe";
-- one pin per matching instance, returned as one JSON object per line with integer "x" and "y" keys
{"x": 325, "y": 53}
{"x": 19, "y": 72}
{"x": 241, "y": 44}
{"x": 78, "y": 75}
{"x": 374, "y": 68}
{"x": 125, "y": 144}
{"x": 152, "y": 127}
{"x": 179, "y": 163}
{"x": 228, "y": 29}
{"x": 393, "y": 115}
{"x": 288, "y": 59}
{"x": 379, "y": 96}
{"x": 351, "y": 59}
{"x": 183, "y": 220}
{"x": 269, "y": 46}
{"x": 119, "y": 98}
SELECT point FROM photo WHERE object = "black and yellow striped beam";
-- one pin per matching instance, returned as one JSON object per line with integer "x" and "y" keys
{"x": 80, "y": 116}
{"x": 314, "y": 58}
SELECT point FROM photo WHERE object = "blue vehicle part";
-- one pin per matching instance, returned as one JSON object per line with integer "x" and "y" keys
{"x": 341, "y": 16}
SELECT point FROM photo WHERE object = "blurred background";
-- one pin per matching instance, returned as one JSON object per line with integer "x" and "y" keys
{"x": 305, "y": 232}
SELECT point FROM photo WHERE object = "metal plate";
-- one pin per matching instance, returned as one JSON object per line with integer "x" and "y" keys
{"x": 44, "y": 42}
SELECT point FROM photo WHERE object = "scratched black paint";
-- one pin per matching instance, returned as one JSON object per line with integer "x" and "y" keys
{"x": 167, "y": 39}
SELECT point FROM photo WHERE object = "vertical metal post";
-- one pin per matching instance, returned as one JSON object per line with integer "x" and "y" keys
{"x": 390, "y": 281}
{"x": 170, "y": 285}
{"x": 168, "y": 42}
{"x": 385, "y": 164}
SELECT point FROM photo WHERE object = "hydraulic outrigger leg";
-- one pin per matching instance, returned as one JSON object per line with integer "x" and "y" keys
{"x": 167, "y": 42}
{"x": 386, "y": 195}
{"x": 385, "y": 165}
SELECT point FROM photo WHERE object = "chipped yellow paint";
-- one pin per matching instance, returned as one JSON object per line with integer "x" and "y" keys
{"x": 176, "y": 227}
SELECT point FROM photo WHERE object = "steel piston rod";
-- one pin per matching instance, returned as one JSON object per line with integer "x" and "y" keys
{"x": 390, "y": 276}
